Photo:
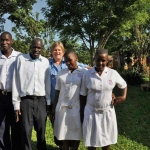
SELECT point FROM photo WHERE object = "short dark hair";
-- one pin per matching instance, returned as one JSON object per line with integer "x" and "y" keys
{"x": 6, "y": 32}
{"x": 70, "y": 51}
{"x": 37, "y": 39}
{"x": 100, "y": 51}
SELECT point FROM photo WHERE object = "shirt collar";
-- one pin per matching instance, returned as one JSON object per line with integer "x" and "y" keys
{"x": 51, "y": 60}
{"x": 13, "y": 54}
{"x": 28, "y": 57}
{"x": 93, "y": 70}
{"x": 76, "y": 70}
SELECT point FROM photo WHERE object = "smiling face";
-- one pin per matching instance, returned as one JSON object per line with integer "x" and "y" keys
{"x": 6, "y": 41}
{"x": 36, "y": 48}
{"x": 57, "y": 53}
{"x": 101, "y": 61}
{"x": 71, "y": 61}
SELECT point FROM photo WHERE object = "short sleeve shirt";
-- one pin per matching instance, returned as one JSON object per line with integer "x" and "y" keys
{"x": 69, "y": 85}
{"x": 54, "y": 70}
{"x": 98, "y": 89}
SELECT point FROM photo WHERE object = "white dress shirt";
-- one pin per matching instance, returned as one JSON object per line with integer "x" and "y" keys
{"x": 6, "y": 70}
{"x": 31, "y": 77}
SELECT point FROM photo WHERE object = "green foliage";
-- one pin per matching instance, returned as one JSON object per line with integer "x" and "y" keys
{"x": 21, "y": 46}
{"x": 12, "y": 6}
{"x": 132, "y": 77}
{"x": 83, "y": 56}
{"x": 95, "y": 21}
{"x": 33, "y": 27}
{"x": 138, "y": 14}
{"x": 82, "y": 52}
{"x": 24, "y": 47}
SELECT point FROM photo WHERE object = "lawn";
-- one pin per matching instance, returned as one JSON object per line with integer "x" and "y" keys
{"x": 133, "y": 123}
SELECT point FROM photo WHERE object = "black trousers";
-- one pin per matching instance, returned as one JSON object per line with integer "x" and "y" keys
{"x": 10, "y": 133}
{"x": 33, "y": 113}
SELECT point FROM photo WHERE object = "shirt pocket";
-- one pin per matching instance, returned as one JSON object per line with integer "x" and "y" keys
{"x": 1, "y": 67}
{"x": 11, "y": 68}
{"x": 58, "y": 107}
{"x": 67, "y": 90}
{"x": 28, "y": 72}
{"x": 42, "y": 75}
{"x": 109, "y": 84}
{"x": 74, "y": 118}
{"x": 76, "y": 80}
{"x": 94, "y": 84}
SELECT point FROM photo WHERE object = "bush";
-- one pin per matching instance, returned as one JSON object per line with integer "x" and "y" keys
{"x": 132, "y": 77}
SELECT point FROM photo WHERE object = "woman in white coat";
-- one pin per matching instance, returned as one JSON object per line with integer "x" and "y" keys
{"x": 96, "y": 104}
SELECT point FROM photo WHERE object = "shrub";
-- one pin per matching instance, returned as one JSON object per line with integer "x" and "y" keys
{"x": 132, "y": 77}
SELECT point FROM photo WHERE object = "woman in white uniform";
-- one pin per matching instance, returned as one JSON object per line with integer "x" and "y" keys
{"x": 97, "y": 107}
{"x": 66, "y": 108}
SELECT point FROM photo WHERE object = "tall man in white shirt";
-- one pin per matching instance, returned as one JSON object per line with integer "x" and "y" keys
{"x": 31, "y": 94}
{"x": 7, "y": 117}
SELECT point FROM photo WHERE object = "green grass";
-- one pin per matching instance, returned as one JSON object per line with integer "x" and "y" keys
{"x": 133, "y": 123}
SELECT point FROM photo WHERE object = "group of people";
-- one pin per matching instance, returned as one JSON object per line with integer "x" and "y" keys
{"x": 78, "y": 98}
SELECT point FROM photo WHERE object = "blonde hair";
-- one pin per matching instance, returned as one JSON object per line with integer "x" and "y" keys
{"x": 60, "y": 44}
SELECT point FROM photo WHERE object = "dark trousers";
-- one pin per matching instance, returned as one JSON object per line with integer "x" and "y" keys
{"x": 33, "y": 113}
{"x": 7, "y": 124}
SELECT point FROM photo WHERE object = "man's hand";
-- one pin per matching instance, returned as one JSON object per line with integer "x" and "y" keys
{"x": 17, "y": 114}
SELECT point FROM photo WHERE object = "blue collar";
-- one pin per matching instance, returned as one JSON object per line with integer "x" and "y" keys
{"x": 51, "y": 60}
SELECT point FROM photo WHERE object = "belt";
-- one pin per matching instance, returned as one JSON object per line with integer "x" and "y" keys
{"x": 32, "y": 97}
{"x": 101, "y": 110}
{"x": 70, "y": 106}
{"x": 4, "y": 92}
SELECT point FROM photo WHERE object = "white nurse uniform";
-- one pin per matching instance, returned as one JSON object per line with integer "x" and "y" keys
{"x": 100, "y": 125}
{"x": 67, "y": 124}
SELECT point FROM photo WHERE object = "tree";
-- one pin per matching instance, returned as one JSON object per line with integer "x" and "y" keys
{"x": 31, "y": 27}
{"x": 21, "y": 46}
{"x": 11, "y": 6}
{"x": 81, "y": 50}
{"x": 133, "y": 39}
{"x": 93, "y": 21}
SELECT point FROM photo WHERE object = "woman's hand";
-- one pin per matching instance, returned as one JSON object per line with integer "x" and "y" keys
{"x": 52, "y": 116}
{"x": 49, "y": 111}
{"x": 81, "y": 117}
{"x": 118, "y": 100}
{"x": 113, "y": 98}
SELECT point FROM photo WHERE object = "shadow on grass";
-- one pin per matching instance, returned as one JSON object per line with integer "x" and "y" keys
{"x": 49, "y": 147}
{"x": 133, "y": 116}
